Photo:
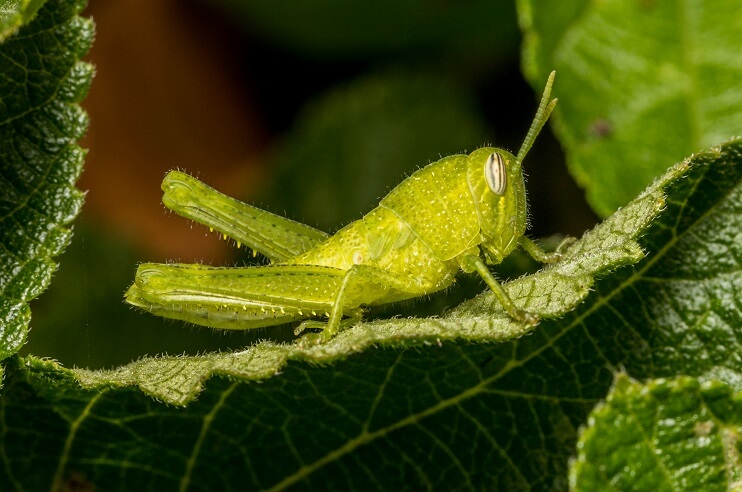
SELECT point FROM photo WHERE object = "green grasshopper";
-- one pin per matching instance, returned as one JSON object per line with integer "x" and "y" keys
{"x": 459, "y": 213}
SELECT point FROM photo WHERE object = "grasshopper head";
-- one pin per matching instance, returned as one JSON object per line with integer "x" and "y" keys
{"x": 495, "y": 179}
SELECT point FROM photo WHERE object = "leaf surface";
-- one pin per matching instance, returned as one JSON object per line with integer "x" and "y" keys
{"x": 640, "y": 85}
{"x": 664, "y": 435}
{"x": 40, "y": 123}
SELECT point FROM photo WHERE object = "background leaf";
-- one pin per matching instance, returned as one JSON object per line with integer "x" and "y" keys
{"x": 452, "y": 415}
{"x": 407, "y": 27}
{"x": 641, "y": 85}
{"x": 40, "y": 123}
{"x": 663, "y": 435}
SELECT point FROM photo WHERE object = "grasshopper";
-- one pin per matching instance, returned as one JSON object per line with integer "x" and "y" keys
{"x": 457, "y": 214}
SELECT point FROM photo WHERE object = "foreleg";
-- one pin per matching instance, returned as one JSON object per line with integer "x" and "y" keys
{"x": 538, "y": 254}
{"x": 473, "y": 263}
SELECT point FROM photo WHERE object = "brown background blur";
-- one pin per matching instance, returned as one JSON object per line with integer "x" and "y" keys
{"x": 167, "y": 94}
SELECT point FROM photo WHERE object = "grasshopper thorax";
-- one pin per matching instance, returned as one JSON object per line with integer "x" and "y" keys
{"x": 461, "y": 201}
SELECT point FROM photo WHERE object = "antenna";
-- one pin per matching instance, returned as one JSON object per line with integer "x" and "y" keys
{"x": 545, "y": 108}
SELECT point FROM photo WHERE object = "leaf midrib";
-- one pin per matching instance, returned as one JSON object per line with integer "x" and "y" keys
{"x": 56, "y": 483}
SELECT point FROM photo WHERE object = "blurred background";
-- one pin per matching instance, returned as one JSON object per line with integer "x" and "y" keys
{"x": 314, "y": 110}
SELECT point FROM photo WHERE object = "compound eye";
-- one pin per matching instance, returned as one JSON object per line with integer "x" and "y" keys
{"x": 496, "y": 174}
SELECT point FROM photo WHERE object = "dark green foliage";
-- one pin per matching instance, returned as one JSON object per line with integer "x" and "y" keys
{"x": 40, "y": 123}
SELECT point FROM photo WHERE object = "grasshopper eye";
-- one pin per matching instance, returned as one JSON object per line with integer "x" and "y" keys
{"x": 496, "y": 174}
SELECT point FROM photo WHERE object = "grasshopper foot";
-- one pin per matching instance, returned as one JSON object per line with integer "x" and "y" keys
{"x": 565, "y": 244}
{"x": 312, "y": 339}
{"x": 308, "y": 324}
{"x": 327, "y": 333}
{"x": 309, "y": 340}
{"x": 526, "y": 317}
{"x": 558, "y": 254}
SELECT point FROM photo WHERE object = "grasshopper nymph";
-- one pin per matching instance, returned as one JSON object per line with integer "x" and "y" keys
{"x": 459, "y": 213}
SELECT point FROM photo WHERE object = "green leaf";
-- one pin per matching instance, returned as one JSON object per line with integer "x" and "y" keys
{"x": 641, "y": 85}
{"x": 664, "y": 435}
{"x": 40, "y": 123}
{"x": 392, "y": 405}
{"x": 402, "y": 28}
{"x": 15, "y": 13}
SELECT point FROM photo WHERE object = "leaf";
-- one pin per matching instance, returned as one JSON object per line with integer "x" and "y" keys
{"x": 663, "y": 435}
{"x": 407, "y": 408}
{"x": 407, "y": 28}
{"x": 640, "y": 85}
{"x": 15, "y": 13}
{"x": 40, "y": 121}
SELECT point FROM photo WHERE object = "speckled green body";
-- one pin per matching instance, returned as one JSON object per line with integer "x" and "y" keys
{"x": 454, "y": 214}
{"x": 420, "y": 228}
{"x": 416, "y": 234}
